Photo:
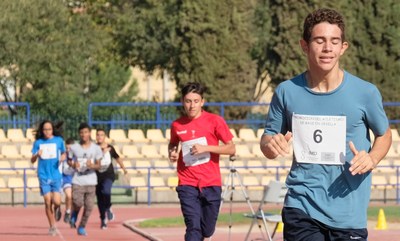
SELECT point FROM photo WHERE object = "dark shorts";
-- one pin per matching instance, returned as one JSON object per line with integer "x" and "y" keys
{"x": 298, "y": 226}
{"x": 200, "y": 210}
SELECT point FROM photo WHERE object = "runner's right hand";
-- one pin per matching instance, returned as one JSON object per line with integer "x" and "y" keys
{"x": 278, "y": 144}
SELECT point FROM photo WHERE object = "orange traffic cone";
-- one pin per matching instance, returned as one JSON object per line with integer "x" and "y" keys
{"x": 381, "y": 224}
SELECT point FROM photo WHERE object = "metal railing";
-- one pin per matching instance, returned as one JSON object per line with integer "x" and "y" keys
{"x": 162, "y": 119}
{"x": 15, "y": 120}
{"x": 149, "y": 185}
{"x": 158, "y": 115}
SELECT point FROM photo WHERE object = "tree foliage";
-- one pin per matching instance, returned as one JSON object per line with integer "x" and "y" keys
{"x": 374, "y": 54}
{"x": 56, "y": 58}
{"x": 59, "y": 55}
{"x": 205, "y": 41}
{"x": 371, "y": 28}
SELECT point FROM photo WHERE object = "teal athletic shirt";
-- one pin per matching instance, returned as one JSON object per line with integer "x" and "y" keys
{"x": 329, "y": 193}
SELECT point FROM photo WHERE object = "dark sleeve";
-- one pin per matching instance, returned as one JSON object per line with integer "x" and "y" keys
{"x": 113, "y": 152}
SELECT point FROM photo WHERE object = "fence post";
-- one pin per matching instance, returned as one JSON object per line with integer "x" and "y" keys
{"x": 25, "y": 193}
{"x": 397, "y": 185}
{"x": 158, "y": 116}
{"x": 148, "y": 187}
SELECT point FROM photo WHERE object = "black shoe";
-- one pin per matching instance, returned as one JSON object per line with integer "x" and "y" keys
{"x": 72, "y": 220}
{"x": 110, "y": 215}
{"x": 103, "y": 224}
{"x": 57, "y": 213}
{"x": 67, "y": 217}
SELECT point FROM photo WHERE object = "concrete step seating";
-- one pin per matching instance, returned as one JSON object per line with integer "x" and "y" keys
{"x": 144, "y": 154}
{"x": 162, "y": 185}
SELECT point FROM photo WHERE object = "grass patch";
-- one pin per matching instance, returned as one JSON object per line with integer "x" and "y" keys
{"x": 392, "y": 214}
{"x": 162, "y": 223}
{"x": 223, "y": 219}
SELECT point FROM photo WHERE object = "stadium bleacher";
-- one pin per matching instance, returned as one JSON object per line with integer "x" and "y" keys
{"x": 118, "y": 136}
{"x": 147, "y": 154}
{"x": 16, "y": 135}
{"x": 3, "y": 137}
{"x": 137, "y": 136}
{"x": 156, "y": 136}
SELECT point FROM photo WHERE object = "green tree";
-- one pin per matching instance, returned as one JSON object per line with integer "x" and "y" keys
{"x": 372, "y": 29}
{"x": 374, "y": 52}
{"x": 57, "y": 58}
{"x": 278, "y": 26}
{"x": 205, "y": 41}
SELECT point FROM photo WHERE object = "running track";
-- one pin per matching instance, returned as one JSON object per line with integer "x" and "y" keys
{"x": 18, "y": 223}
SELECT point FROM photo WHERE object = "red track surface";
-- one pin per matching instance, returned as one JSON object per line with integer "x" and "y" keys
{"x": 19, "y": 223}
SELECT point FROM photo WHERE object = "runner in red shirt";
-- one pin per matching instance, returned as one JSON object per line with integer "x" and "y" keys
{"x": 199, "y": 134}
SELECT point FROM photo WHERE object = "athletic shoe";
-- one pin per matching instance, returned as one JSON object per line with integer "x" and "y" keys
{"x": 52, "y": 231}
{"x": 67, "y": 217}
{"x": 72, "y": 220}
{"x": 103, "y": 224}
{"x": 82, "y": 231}
{"x": 57, "y": 213}
{"x": 110, "y": 215}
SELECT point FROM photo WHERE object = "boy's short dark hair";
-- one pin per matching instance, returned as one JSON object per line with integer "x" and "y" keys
{"x": 193, "y": 87}
{"x": 70, "y": 141}
{"x": 101, "y": 130}
{"x": 319, "y": 16}
{"x": 84, "y": 126}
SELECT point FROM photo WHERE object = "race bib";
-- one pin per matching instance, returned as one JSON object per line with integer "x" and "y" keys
{"x": 82, "y": 165}
{"x": 105, "y": 162}
{"x": 194, "y": 160}
{"x": 319, "y": 139}
{"x": 49, "y": 151}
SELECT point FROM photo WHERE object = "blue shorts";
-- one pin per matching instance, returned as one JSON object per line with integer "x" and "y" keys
{"x": 49, "y": 185}
{"x": 66, "y": 181}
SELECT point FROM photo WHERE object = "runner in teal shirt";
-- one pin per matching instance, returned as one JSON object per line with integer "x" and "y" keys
{"x": 326, "y": 113}
{"x": 327, "y": 192}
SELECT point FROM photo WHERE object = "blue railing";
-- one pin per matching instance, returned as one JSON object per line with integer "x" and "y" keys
{"x": 16, "y": 120}
{"x": 161, "y": 120}
{"x": 149, "y": 185}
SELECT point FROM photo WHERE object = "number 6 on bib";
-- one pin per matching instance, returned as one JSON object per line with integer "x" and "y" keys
{"x": 319, "y": 139}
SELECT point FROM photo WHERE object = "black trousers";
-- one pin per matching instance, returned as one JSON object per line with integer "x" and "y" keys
{"x": 298, "y": 226}
{"x": 103, "y": 194}
{"x": 200, "y": 210}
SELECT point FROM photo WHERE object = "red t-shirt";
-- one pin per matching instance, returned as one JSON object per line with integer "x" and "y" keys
{"x": 214, "y": 129}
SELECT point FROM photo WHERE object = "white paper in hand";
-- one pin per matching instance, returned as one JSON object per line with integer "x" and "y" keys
{"x": 194, "y": 160}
